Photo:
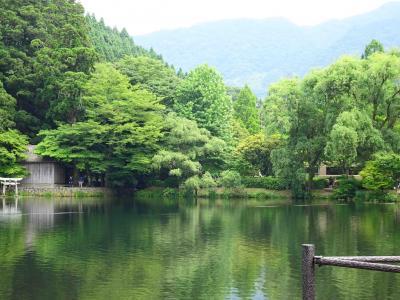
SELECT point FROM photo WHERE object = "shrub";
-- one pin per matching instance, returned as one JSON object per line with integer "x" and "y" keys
{"x": 207, "y": 181}
{"x": 269, "y": 182}
{"x": 320, "y": 183}
{"x": 347, "y": 188}
{"x": 230, "y": 179}
{"x": 382, "y": 172}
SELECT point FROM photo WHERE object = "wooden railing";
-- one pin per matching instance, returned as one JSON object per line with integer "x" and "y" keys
{"x": 310, "y": 260}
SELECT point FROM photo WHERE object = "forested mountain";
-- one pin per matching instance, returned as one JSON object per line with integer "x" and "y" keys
{"x": 112, "y": 44}
{"x": 258, "y": 52}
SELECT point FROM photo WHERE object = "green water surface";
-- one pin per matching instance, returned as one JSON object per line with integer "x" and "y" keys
{"x": 166, "y": 249}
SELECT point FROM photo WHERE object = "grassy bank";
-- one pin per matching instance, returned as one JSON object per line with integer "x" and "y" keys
{"x": 63, "y": 192}
{"x": 232, "y": 193}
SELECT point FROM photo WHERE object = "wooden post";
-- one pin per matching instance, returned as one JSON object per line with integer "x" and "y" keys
{"x": 308, "y": 272}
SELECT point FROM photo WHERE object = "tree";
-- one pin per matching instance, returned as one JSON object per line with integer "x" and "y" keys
{"x": 353, "y": 139}
{"x": 379, "y": 92}
{"x": 230, "y": 179}
{"x": 202, "y": 97}
{"x": 7, "y": 109}
{"x": 151, "y": 74}
{"x": 373, "y": 47}
{"x": 246, "y": 111}
{"x": 382, "y": 172}
{"x": 254, "y": 154}
{"x": 82, "y": 144}
{"x": 306, "y": 111}
{"x": 12, "y": 151}
{"x": 68, "y": 106}
{"x": 187, "y": 150}
{"x": 342, "y": 147}
{"x": 112, "y": 44}
{"x": 120, "y": 135}
{"x": 39, "y": 42}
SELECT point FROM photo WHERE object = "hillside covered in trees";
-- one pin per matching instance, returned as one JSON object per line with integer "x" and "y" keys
{"x": 260, "y": 52}
{"x": 88, "y": 97}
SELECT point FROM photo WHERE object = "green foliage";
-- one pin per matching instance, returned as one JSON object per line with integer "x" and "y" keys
{"x": 320, "y": 183}
{"x": 39, "y": 42}
{"x": 187, "y": 150}
{"x": 112, "y": 44}
{"x": 347, "y": 188}
{"x": 202, "y": 97}
{"x": 246, "y": 111}
{"x": 267, "y": 182}
{"x": 151, "y": 74}
{"x": 7, "y": 109}
{"x": 12, "y": 151}
{"x": 207, "y": 181}
{"x": 120, "y": 134}
{"x": 81, "y": 144}
{"x": 373, "y": 47}
{"x": 230, "y": 179}
{"x": 342, "y": 147}
{"x": 341, "y": 114}
{"x": 382, "y": 172}
{"x": 254, "y": 154}
{"x": 353, "y": 139}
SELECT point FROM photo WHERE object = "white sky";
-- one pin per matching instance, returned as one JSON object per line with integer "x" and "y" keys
{"x": 145, "y": 16}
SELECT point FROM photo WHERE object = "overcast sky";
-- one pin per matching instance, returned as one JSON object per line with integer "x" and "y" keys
{"x": 145, "y": 16}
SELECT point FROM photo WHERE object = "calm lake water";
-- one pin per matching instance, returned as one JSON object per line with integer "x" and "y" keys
{"x": 165, "y": 249}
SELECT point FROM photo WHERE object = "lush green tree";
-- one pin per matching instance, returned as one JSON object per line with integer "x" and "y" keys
{"x": 68, "y": 106}
{"x": 254, "y": 154}
{"x": 39, "y": 42}
{"x": 246, "y": 111}
{"x": 306, "y": 112}
{"x": 187, "y": 150}
{"x": 282, "y": 97}
{"x": 7, "y": 109}
{"x": 202, "y": 97}
{"x": 151, "y": 74}
{"x": 121, "y": 132}
{"x": 230, "y": 179}
{"x": 353, "y": 140}
{"x": 82, "y": 144}
{"x": 380, "y": 93}
{"x": 373, "y": 47}
{"x": 342, "y": 147}
{"x": 12, "y": 151}
{"x": 382, "y": 172}
{"x": 112, "y": 44}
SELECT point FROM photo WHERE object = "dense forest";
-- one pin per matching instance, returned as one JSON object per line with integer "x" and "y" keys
{"x": 90, "y": 98}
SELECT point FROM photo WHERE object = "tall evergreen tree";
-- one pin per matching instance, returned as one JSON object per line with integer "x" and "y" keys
{"x": 246, "y": 110}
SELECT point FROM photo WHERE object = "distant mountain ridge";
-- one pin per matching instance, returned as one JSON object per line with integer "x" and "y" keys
{"x": 259, "y": 52}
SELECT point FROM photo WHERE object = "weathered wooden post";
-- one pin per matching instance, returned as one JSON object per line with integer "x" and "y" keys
{"x": 308, "y": 272}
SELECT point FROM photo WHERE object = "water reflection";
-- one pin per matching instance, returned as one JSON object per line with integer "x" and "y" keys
{"x": 167, "y": 249}
{"x": 9, "y": 209}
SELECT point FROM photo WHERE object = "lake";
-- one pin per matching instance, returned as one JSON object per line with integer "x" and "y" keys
{"x": 168, "y": 249}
